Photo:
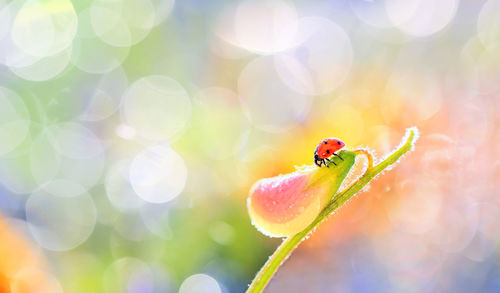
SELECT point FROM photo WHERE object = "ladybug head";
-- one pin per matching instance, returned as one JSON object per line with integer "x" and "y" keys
{"x": 317, "y": 160}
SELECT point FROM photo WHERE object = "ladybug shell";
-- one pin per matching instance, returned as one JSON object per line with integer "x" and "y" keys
{"x": 328, "y": 146}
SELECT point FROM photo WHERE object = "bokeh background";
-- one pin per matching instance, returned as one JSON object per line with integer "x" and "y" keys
{"x": 131, "y": 131}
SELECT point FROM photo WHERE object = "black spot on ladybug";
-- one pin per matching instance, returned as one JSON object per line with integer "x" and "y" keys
{"x": 338, "y": 142}
{"x": 327, "y": 151}
{"x": 325, "y": 142}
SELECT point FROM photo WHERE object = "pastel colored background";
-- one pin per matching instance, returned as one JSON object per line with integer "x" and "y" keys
{"x": 131, "y": 132}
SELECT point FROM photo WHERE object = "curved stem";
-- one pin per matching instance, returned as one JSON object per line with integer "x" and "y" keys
{"x": 367, "y": 154}
{"x": 289, "y": 244}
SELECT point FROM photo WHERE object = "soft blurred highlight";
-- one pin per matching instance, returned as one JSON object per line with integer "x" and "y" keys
{"x": 132, "y": 130}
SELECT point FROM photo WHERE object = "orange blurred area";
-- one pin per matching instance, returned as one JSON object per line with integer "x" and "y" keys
{"x": 23, "y": 268}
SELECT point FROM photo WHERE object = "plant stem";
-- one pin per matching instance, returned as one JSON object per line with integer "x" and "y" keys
{"x": 289, "y": 244}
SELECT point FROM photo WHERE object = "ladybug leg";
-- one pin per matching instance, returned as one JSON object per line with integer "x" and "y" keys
{"x": 331, "y": 161}
{"x": 338, "y": 156}
{"x": 324, "y": 162}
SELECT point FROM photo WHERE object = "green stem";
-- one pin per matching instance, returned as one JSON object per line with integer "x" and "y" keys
{"x": 289, "y": 244}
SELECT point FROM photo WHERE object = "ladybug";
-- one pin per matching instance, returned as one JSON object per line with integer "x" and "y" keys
{"x": 327, "y": 148}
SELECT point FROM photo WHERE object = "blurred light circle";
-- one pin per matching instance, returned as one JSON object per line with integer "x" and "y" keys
{"x": 320, "y": 62}
{"x": 76, "y": 141}
{"x": 10, "y": 54}
{"x": 265, "y": 26}
{"x": 216, "y": 107}
{"x": 33, "y": 30}
{"x": 399, "y": 12}
{"x": 118, "y": 188}
{"x": 158, "y": 174}
{"x": 128, "y": 275}
{"x": 122, "y": 23}
{"x": 5, "y": 18}
{"x": 371, "y": 12}
{"x": 126, "y": 132}
{"x": 162, "y": 9}
{"x": 44, "y": 28}
{"x": 270, "y": 104}
{"x": 471, "y": 51}
{"x": 100, "y": 106}
{"x": 14, "y": 120}
{"x": 85, "y": 58}
{"x": 65, "y": 22}
{"x": 486, "y": 70}
{"x": 32, "y": 279}
{"x": 155, "y": 217}
{"x": 45, "y": 68}
{"x": 14, "y": 175}
{"x": 63, "y": 188}
{"x": 86, "y": 171}
{"x": 85, "y": 29}
{"x": 103, "y": 99}
{"x": 61, "y": 215}
{"x": 461, "y": 75}
{"x": 488, "y": 23}
{"x": 200, "y": 283}
{"x": 67, "y": 150}
{"x": 86, "y": 44}
{"x": 157, "y": 106}
{"x": 224, "y": 30}
{"x": 227, "y": 50}
{"x": 421, "y": 18}
{"x": 13, "y": 57}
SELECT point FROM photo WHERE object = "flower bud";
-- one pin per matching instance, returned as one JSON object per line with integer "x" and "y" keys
{"x": 286, "y": 204}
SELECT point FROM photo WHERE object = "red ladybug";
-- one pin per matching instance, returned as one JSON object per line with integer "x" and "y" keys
{"x": 327, "y": 148}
